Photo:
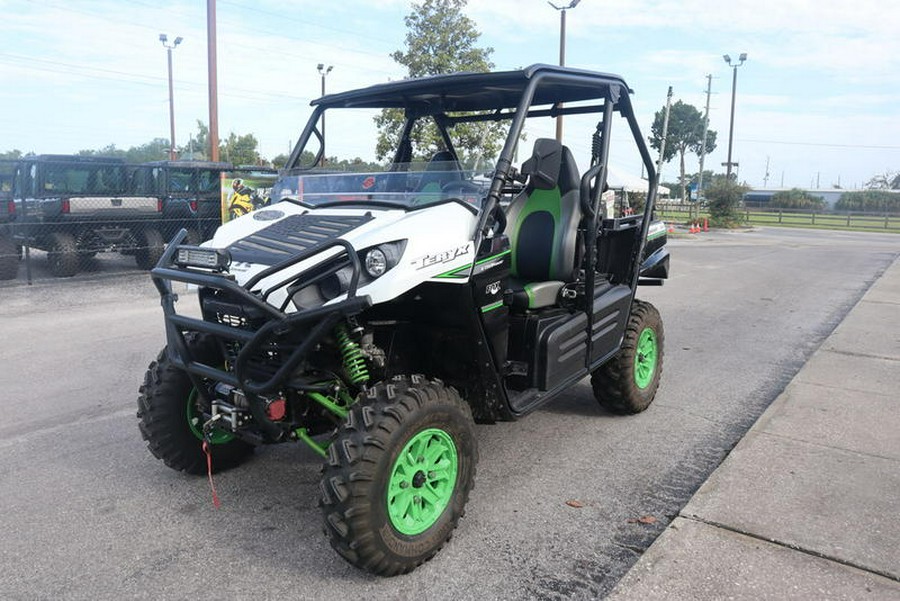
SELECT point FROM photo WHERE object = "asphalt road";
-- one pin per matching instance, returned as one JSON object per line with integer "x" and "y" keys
{"x": 87, "y": 513}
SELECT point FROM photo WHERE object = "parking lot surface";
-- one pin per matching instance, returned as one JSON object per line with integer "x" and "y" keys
{"x": 87, "y": 513}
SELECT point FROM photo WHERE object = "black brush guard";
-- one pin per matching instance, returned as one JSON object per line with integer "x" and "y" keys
{"x": 278, "y": 323}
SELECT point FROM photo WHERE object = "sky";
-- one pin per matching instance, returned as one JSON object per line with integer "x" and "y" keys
{"x": 818, "y": 99}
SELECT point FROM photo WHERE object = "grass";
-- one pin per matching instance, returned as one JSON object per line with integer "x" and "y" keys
{"x": 818, "y": 221}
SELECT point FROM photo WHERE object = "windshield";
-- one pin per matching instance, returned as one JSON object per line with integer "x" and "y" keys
{"x": 62, "y": 178}
{"x": 401, "y": 185}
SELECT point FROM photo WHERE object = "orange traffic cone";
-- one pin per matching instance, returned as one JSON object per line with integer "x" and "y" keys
{"x": 705, "y": 224}
{"x": 693, "y": 229}
{"x": 671, "y": 229}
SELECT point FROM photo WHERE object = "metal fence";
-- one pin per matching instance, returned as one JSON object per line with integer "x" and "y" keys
{"x": 764, "y": 215}
{"x": 62, "y": 215}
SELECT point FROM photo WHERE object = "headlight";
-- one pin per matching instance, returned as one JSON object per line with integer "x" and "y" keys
{"x": 376, "y": 262}
{"x": 207, "y": 258}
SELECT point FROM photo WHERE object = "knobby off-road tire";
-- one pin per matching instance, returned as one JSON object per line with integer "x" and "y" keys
{"x": 150, "y": 247}
{"x": 9, "y": 257}
{"x": 398, "y": 475}
{"x": 628, "y": 382}
{"x": 167, "y": 410}
{"x": 62, "y": 255}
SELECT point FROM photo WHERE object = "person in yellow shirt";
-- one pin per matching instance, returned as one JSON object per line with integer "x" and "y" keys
{"x": 243, "y": 199}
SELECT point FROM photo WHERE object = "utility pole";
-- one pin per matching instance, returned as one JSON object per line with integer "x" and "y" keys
{"x": 662, "y": 144}
{"x": 727, "y": 58}
{"x": 169, "y": 48}
{"x": 562, "y": 54}
{"x": 766, "y": 178}
{"x": 323, "y": 71}
{"x": 213, "y": 134}
{"x": 705, "y": 130}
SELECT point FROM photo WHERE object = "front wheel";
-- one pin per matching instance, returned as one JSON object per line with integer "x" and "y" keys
{"x": 398, "y": 475}
{"x": 628, "y": 382}
{"x": 169, "y": 410}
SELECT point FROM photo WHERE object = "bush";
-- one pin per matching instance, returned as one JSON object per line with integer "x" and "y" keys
{"x": 869, "y": 200}
{"x": 723, "y": 198}
{"x": 796, "y": 199}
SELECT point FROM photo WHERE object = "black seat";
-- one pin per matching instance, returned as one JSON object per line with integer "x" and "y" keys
{"x": 442, "y": 169}
{"x": 543, "y": 226}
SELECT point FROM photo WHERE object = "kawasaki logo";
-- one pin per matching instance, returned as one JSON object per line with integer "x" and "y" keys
{"x": 493, "y": 288}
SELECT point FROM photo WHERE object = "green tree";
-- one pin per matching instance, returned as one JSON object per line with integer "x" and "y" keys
{"x": 11, "y": 155}
{"x": 889, "y": 180}
{"x": 796, "y": 199}
{"x": 240, "y": 150}
{"x": 109, "y": 150}
{"x": 724, "y": 200}
{"x": 684, "y": 134}
{"x": 439, "y": 39}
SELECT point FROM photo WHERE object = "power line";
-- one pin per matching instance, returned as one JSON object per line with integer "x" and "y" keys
{"x": 822, "y": 144}
{"x": 151, "y": 80}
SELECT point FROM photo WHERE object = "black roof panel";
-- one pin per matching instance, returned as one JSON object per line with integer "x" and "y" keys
{"x": 480, "y": 91}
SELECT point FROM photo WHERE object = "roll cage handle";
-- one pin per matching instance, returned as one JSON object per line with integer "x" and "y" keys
{"x": 590, "y": 204}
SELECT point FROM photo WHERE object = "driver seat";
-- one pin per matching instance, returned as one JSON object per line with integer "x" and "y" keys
{"x": 543, "y": 226}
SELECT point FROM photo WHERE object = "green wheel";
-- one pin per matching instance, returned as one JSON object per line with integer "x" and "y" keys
{"x": 169, "y": 413}
{"x": 627, "y": 383}
{"x": 645, "y": 358}
{"x": 398, "y": 475}
{"x": 422, "y": 481}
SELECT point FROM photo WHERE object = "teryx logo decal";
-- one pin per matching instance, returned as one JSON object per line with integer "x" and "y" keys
{"x": 493, "y": 288}
{"x": 441, "y": 257}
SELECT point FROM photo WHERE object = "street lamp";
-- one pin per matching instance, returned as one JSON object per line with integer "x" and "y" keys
{"x": 562, "y": 53}
{"x": 323, "y": 71}
{"x": 740, "y": 62}
{"x": 169, "y": 47}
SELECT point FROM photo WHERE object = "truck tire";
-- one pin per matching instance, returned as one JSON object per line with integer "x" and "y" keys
{"x": 398, "y": 475}
{"x": 149, "y": 249}
{"x": 9, "y": 257}
{"x": 628, "y": 382}
{"x": 62, "y": 255}
{"x": 168, "y": 412}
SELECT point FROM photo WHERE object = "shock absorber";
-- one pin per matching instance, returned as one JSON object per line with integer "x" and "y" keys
{"x": 352, "y": 356}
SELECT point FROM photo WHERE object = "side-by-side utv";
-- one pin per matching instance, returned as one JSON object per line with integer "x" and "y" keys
{"x": 376, "y": 316}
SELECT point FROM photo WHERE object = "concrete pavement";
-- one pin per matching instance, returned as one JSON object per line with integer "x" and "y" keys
{"x": 807, "y": 505}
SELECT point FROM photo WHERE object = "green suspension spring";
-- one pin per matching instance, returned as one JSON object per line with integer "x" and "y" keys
{"x": 352, "y": 355}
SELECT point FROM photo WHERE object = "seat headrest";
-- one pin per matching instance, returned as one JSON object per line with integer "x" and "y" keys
{"x": 442, "y": 161}
{"x": 543, "y": 166}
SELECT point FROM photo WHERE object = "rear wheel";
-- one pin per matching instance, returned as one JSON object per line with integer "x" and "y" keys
{"x": 398, "y": 475}
{"x": 9, "y": 257}
{"x": 628, "y": 382}
{"x": 149, "y": 249}
{"x": 62, "y": 255}
{"x": 169, "y": 410}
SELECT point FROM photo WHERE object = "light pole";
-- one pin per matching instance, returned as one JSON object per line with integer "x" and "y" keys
{"x": 169, "y": 47}
{"x": 741, "y": 60}
{"x": 323, "y": 71}
{"x": 562, "y": 53}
